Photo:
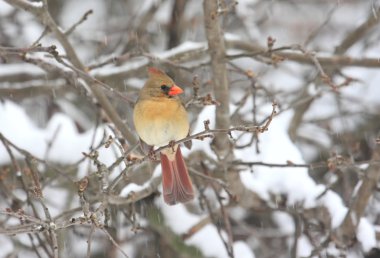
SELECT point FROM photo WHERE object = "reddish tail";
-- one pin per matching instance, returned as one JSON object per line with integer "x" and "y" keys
{"x": 176, "y": 183}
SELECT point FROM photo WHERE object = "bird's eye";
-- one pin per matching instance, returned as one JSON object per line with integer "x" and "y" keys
{"x": 165, "y": 88}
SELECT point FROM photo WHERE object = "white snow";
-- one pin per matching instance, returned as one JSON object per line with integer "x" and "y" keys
{"x": 207, "y": 113}
{"x": 140, "y": 62}
{"x": 184, "y": 47}
{"x": 9, "y": 69}
{"x": 284, "y": 222}
{"x": 304, "y": 247}
{"x": 5, "y": 8}
{"x": 67, "y": 146}
{"x": 110, "y": 70}
{"x": 6, "y": 243}
{"x": 206, "y": 239}
{"x": 335, "y": 206}
{"x": 242, "y": 250}
{"x": 366, "y": 235}
{"x": 294, "y": 183}
{"x": 276, "y": 147}
{"x": 270, "y": 183}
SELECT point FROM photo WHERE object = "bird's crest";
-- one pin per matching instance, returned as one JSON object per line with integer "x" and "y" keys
{"x": 155, "y": 71}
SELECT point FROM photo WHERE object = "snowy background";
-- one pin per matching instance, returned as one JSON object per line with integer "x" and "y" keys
{"x": 306, "y": 187}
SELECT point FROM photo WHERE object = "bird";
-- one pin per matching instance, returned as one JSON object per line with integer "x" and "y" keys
{"x": 160, "y": 119}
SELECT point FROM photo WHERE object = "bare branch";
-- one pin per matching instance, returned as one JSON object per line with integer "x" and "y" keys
{"x": 45, "y": 18}
{"x": 217, "y": 52}
{"x": 357, "y": 34}
{"x": 345, "y": 234}
{"x": 330, "y": 61}
{"x": 75, "y": 25}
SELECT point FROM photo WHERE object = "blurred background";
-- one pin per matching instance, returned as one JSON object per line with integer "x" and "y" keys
{"x": 305, "y": 187}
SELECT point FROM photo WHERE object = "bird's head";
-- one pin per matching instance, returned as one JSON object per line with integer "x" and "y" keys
{"x": 159, "y": 84}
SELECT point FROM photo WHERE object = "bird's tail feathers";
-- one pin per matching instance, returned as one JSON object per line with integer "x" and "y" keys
{"x": 176, "y": 182}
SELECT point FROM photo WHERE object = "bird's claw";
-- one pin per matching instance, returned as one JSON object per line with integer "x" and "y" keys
{"x": 171, "y": 145}
{"x": 152, "y": 154}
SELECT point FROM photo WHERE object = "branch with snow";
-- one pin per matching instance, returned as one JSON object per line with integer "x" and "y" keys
{"x": 69, "y": 161}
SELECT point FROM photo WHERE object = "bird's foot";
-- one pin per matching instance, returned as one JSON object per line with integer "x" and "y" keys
{"x": 172, "y": 145}
{"x": 152, "y": 153}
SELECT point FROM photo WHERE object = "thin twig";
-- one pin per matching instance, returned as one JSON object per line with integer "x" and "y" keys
{"x": 89, "y": 241}
{"x": 114, "y": 242}
{"x": 82, "y": 19}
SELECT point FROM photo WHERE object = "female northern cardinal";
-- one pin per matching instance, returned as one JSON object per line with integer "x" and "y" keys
{"x": 160, "y": 119}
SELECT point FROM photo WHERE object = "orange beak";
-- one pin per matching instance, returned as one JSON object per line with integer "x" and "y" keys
{"x": 175, "y": 90}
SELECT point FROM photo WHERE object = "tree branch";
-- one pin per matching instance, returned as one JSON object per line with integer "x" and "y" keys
{"x": 345, "y": 234}
{"x": 216, "y": 49}
{"x": 45, "y": 18}
{"x": 358, "y": 33}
